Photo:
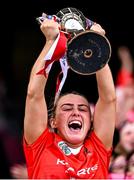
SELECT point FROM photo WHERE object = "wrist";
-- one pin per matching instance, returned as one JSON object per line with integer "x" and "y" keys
{"x": 49, "y": 41}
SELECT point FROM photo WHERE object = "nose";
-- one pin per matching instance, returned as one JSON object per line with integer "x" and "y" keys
{"x": 75, "y": 112}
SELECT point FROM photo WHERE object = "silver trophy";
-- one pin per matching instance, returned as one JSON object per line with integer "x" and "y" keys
{"x": 87, "y": 51}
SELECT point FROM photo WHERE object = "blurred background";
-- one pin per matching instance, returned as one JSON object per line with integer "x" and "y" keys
{"x": 21, "y": 44}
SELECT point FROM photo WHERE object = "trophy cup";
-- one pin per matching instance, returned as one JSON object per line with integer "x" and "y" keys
{"x": 87, "y": 51}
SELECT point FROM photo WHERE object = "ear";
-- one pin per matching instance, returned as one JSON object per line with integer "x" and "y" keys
{"x": 53, "y": 123}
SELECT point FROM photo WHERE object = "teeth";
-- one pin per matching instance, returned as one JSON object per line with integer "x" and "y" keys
{"x": 75, "y": 121}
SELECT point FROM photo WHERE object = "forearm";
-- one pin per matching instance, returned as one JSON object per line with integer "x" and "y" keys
{"x": 105, "y": 84}
{"x": 105, "y": 109}
{"x": 37, "y": 82}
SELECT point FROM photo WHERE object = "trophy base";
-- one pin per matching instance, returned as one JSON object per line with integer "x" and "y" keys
{"x": 88, "y": 52}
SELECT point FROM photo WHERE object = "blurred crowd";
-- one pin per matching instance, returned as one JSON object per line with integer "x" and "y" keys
{"x": 12, "y": 164}
{"x": 12, "y": 161}
{"x": 122, "y": 161}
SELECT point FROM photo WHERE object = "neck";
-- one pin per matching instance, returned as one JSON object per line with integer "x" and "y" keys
{"x": 74, "y": 146}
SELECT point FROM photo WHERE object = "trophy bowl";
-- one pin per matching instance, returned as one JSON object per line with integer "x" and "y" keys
{"x": 72, "y": 20}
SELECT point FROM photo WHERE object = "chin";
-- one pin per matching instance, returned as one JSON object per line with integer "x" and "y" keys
{"x": 76, "y": 140}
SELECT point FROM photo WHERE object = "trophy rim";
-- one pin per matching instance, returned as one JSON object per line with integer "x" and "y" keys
{"x": 61, "y": 15}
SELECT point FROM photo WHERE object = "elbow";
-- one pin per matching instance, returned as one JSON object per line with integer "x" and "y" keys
{"x": 33, "y": 93}
{"x": 111, "y": 98}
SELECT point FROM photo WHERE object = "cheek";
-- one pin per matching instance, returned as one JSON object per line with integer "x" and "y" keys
{"x": 88, "y": 120}
{"x": 125, "y": 139}
{"x": 122, "y": 138}
{"x": 89, "y": 124}
{"x": 61, "y": 119}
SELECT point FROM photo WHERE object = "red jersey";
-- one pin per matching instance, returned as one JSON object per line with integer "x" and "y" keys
{"x": 50, "y": 158}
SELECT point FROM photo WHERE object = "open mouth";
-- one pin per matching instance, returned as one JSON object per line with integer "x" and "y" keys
{"x": 75, "y": 125}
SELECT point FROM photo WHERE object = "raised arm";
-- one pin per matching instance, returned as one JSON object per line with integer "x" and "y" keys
{"x": 105, "y": 110}
{"x": 36, "y": 115}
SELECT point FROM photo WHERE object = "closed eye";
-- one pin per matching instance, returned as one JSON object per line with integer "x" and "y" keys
{"x": 83, "y": 108}
{"x": 67, "y": 107}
